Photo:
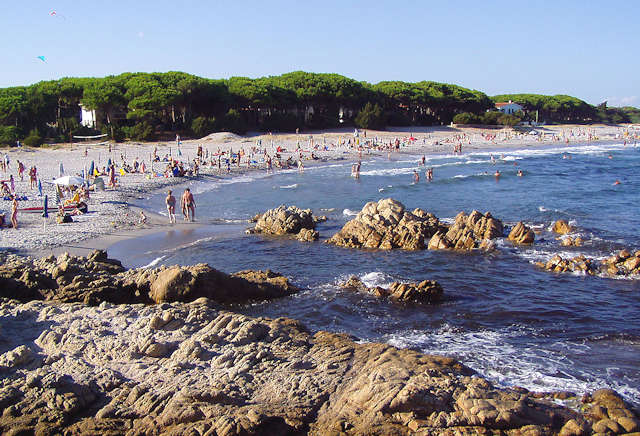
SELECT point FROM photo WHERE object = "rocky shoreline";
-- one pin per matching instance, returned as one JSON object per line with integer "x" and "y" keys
{"x": 77, "y": 363}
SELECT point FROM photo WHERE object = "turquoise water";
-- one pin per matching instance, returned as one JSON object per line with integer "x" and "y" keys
{"x": 513, "y": 323}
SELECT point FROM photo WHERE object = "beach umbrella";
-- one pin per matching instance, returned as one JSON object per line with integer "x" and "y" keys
{"x": 40, "y": 187}
{"x": 69, "y": 180}
{"x": 45, "y": 207}
{"x": 91, "y": 168}
{"x": 61, "y": 170}
{"x": 109, "y": 163}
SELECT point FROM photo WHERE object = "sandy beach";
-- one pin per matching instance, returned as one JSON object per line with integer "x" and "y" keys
{"x": 114, "y": 213}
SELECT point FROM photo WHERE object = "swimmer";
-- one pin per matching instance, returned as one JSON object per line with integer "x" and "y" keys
{"x": 497, "y": 174}
{"x": 520, "y": 173}
{"x": 416, "y": 176}
{"x": 617, "y": 182}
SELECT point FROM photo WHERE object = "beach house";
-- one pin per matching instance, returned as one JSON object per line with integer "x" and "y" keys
{"x": 509, "y": 107}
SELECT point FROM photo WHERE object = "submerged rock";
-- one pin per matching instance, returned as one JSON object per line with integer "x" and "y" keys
{"x": 387, "y": 225}
{"x": 425, "y": 292}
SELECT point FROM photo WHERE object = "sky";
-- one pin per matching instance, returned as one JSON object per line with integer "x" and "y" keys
{"x": 587, "y": 49}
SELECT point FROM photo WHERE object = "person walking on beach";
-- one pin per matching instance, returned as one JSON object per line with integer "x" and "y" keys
{"x": 14, "y": 211}
{"x": 21, "y": 171}
{"x": 171, "y": 207}
{"x": 33, "y": 177}
{"x": 188, "y": 205}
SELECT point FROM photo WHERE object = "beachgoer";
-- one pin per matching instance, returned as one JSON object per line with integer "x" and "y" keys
{"x": 188, "y": 205}
{"x": 171, "y": 207}
{"x": 14, "y": 211}
{"x": 497, "y": 174}
{"x": 416, "y": 176}
{"x": 143, "y": 218}
{"x": 520, "y": 173}
{"x": 33, "y": 177}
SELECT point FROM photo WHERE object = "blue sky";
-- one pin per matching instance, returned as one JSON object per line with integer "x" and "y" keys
{"x": 588, "y": 49}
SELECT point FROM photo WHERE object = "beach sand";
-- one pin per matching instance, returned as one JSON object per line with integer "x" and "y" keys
{"x": 114, "y": 214}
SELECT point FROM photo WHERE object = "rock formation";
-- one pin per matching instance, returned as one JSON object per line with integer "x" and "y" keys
{"x": 624, "y": 263}
{"x": 561, "y": 227}
{"x": 387, "y": 225}
{"x": 521, "y": 234}
{"x": 287, "y": 221}
{"x": 468, "y": 232}
{"x": 425, "y": 292}
{"x": 577, "y": 264}
{"x": 193, "y": 369}
{"x": 96, "y": 278}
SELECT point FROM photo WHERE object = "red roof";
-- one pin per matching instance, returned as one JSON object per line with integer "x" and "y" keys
{"x": 505, "y": 104}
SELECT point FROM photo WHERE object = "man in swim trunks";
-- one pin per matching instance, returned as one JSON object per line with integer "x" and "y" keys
{"x": 188, "y": 205}
{"x": 171, "y": 207}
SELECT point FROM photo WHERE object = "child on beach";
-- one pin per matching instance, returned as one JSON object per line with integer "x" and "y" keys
{"x": 171, "y": 207}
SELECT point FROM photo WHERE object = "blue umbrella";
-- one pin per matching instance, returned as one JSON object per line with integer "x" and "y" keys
{"x": 91, "y": 168}
{"x": 40, "y": 187}
{"x": 109, "y": 163}
{"x": 45, "y": 207}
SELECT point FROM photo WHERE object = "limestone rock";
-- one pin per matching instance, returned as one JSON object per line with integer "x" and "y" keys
{"x": 387, "y": 225}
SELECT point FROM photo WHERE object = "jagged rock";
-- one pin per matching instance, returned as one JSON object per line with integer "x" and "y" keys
{"x": 468, "y": 232}
{"x": 307, "y": 235}
{"x": 97, "y": 279}
{"x": 576, "y": 264}
{"x": 571, "y": 242}
{"x": 387, "y": 225}
{"x": 110, "y": 370}
{"x": 427, "y": 291}
{"x": 562, "y": 227}
{"x": 284, "y": 220}
{"x": 521, "y": 234}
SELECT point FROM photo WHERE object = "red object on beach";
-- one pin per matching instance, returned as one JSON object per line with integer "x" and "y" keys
{"x": 39, "y": 208}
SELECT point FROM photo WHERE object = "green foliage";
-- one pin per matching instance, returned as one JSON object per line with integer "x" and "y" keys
{"x": 202, "y": 126}
{"x": 466, "y": 118}
{"x": 138, "y": 105}
{"x": 8, "y": 135}
{"x": 508, "y": 120}
{"x": 491, "y": 118}
{"x": 34, "y": 139}
{"x": 281, "y": 122}
{"x": 371, "y": 117}
{"x": 233, "y": 122}
{"x": 553, "y": 108}
{"x": 142, "y": 131}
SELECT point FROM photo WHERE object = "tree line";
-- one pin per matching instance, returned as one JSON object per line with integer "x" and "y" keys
{"x": 144, "y": 106}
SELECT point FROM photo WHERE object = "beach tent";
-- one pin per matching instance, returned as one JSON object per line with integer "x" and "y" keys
{"x": 69, "y": 180}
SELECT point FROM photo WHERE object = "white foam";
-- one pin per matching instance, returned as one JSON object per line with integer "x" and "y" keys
{"x": 349, "y": 212}
{"x": 527, "y": 365}
{"x": 294, "y": 186}
{"x": 154, "y": 262}
{"x": 376, "y": 278}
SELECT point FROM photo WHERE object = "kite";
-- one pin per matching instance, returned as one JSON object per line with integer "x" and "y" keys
{"x": 55, "y": 14}
{"x": 41, "y": 58}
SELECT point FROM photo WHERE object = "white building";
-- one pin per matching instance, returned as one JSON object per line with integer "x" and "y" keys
{"x": 509, "y": 107}
{"x": 87, "y": 117}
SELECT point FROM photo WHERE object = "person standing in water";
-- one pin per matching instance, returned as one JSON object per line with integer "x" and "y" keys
{"x": 188, "y": 205}
{"x": 171, "y": 207}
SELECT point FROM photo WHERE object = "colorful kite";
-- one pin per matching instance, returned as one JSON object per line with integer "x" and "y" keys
{"x": 42, "y": 58}
{"x": 55, "y": 14}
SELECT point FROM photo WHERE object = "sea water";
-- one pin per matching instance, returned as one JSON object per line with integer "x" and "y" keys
{"x": 512, "y": 322}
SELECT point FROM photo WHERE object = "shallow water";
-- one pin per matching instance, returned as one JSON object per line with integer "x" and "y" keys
{"x": 502, "y": 316}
